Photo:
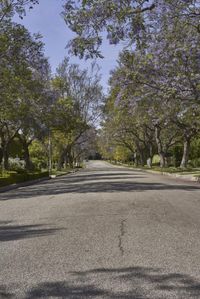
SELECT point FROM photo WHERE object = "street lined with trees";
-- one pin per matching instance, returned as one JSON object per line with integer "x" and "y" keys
{"x": 151, "y": 114}
{"x": 107, "y": 231}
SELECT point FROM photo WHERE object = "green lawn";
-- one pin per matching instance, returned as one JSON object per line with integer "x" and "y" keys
{"x": 12, "y": 177}
{"x": 178, "y": 170}
{"x": 60, "y": 172}
{"x": 175, "y": 170}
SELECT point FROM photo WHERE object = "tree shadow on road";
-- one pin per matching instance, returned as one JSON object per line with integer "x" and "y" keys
{"x": 94, "y": 187}
{"x": 4, "y": 293}
{"x": 97, "y": 182}
{"x": 18, "y": 232}
{"x": 107, "y": 175}
{"x": 128, "y": 283}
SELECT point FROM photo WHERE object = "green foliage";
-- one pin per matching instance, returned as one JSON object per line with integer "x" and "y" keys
{"x": 156, "y": 160}
{"x": 122, "y": 154}
{"x": 153, "y": 105}
{"x": 38, "y": 154}
{"x": 173, "y": 170}
{"x": 9, "y": 7}
{"x": 41, "y": 116}
{"x": 16, "y": 165}
{"x": 177, "y": 152}
{"x": 195, "y": 149}
{"x": 23, "y": 71}
{"x": 194, "y": 162}
{"x": 15, "y": 149}
{"x": 123, "y": 21}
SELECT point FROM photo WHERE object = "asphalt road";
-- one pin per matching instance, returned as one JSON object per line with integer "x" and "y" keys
{"x": 104, "y": 232}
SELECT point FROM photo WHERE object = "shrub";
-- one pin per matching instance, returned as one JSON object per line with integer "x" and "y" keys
{"x": 16, "y": 164}
{"x": 39, "y": 163}
{"x": 156, "y": 160}
{"x": 194, "y": 162}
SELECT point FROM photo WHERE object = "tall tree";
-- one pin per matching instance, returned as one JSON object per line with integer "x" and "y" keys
{"x": 76, "y": 109}
{"x": 22, "y": 66}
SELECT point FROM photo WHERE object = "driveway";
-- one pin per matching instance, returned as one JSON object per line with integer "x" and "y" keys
{"x": 103, "y": 232}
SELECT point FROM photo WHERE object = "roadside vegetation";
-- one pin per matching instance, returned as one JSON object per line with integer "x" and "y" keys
{"x": 153, "y": 107}
{"x": 13, "y": 177}
{"x": 47, "y": 122}
{"x": 151, "y": 114}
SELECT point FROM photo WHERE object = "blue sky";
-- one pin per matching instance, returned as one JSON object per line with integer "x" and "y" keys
{"x": 45, "y": 18}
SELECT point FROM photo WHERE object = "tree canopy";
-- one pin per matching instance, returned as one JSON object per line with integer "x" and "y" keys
{"x": 155, "y": 91}
{"x": 130, "y": 21}
{"x": 153, "y": 104}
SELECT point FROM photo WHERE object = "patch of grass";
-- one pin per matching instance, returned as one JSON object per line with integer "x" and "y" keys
{"x": 12, "y": 177}
{"x": 60, "y": 172}
{"x": 177, "y": 170}
{"x": 171, "y": 169}
{"x": 168, "y": 169}
{"x": 65, "y": 170}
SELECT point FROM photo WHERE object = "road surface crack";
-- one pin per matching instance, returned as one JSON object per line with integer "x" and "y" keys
{"x": 121, "y": 235}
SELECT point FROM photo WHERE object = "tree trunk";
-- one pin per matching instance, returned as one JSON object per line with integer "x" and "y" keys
{"x": 26, "y": 155}
{"x": 1, "y": 155}
{"x": 71, "y": 160}
{"x": 140, "y": 154}
{"x": 64, "y": 157}
{"x": 150, "y": 158}
{"x": 166, "y": 158}
{"x": 185, "y": 156}
{"x": 142, "y": 158}
{"x": 160, "y": 148}
{"x": 136, "y": 159}
{"x": 28, "y": 163}
{"x": 5, "y": 158}
{"x": 61, "y": 160}
{"x": 70, "y": 156}
{"x": 5, "y": 154}
{"x": 149, "y": 162}
{"x": 162, "y": 159}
